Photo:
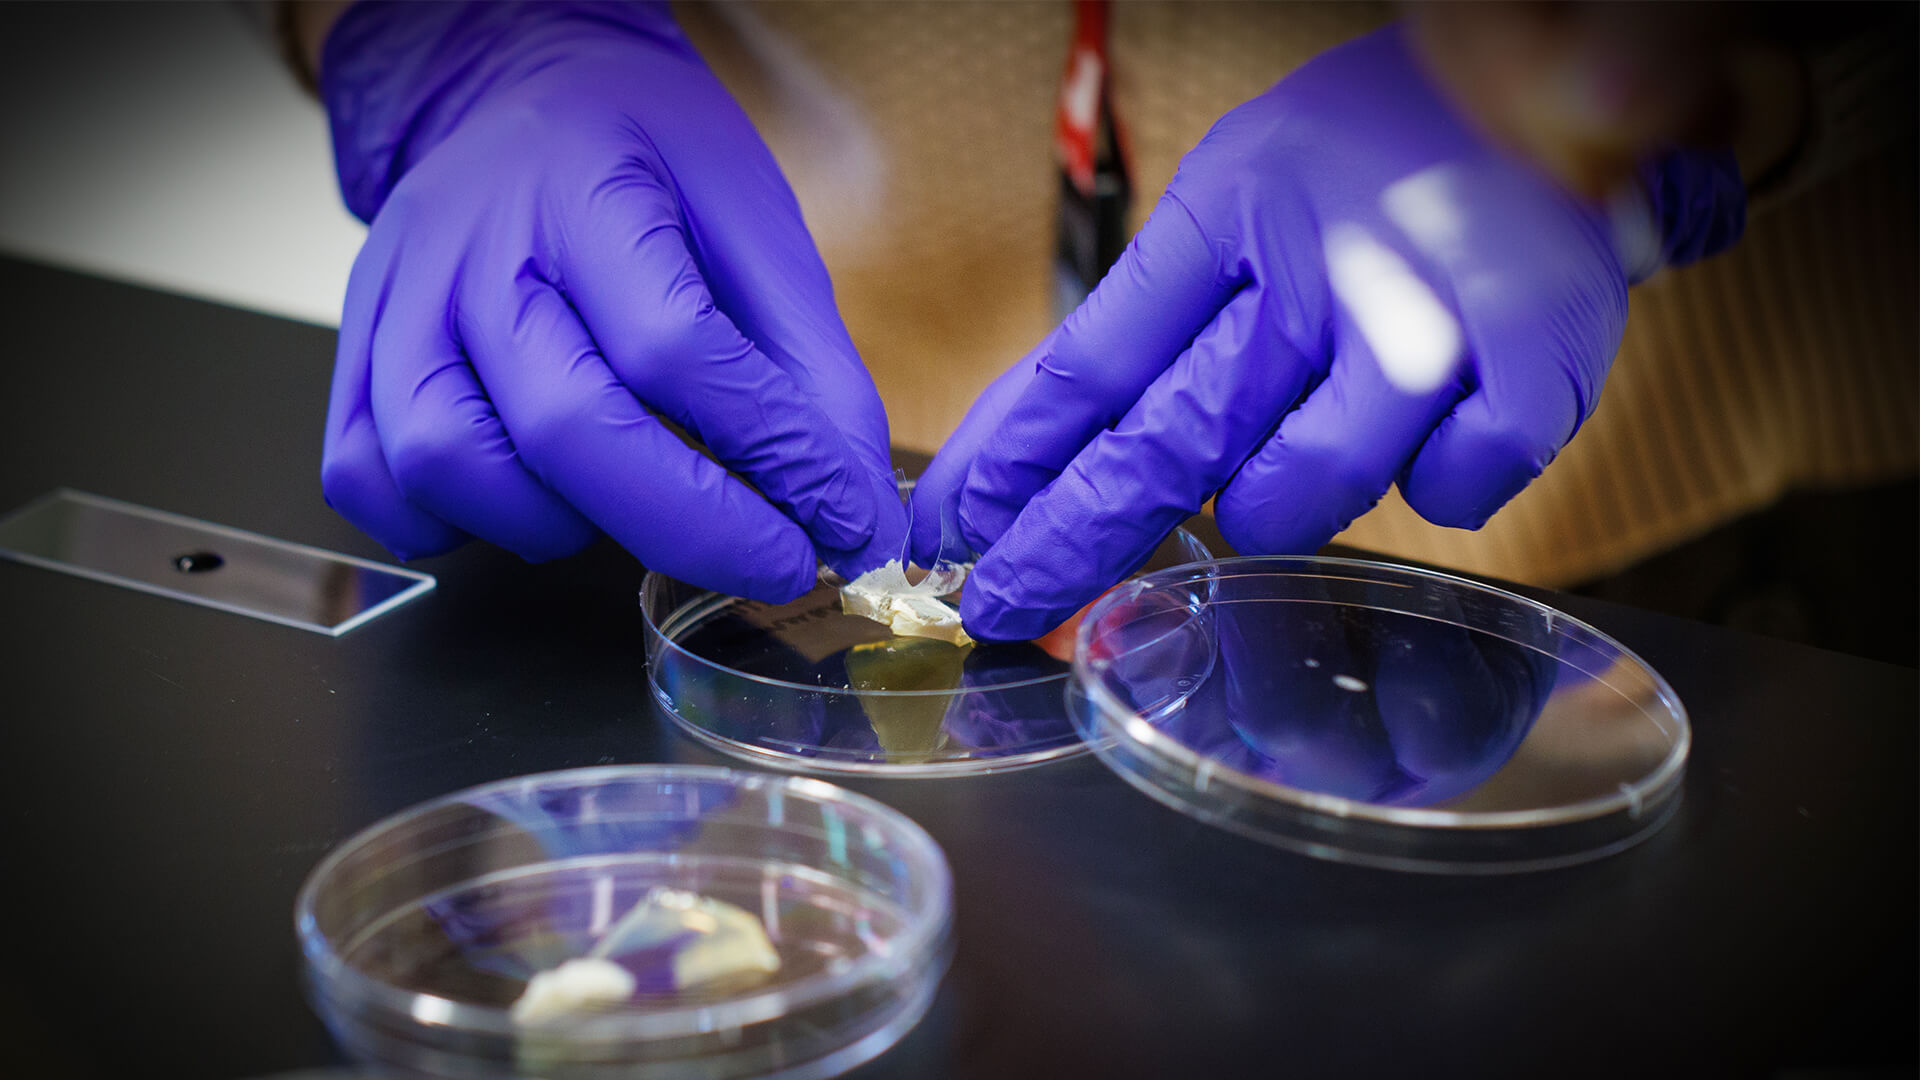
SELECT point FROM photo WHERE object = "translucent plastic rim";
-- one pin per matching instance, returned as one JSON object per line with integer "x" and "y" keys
{"x": 1071, "y": 746}
{"x": 1117, "y": 721}
{"x": 658, "y": 635}
{"x": 918, "y": 943}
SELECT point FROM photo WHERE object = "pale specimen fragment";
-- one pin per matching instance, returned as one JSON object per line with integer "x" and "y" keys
{"x": 713, "y": 939}
{"x": 579, "y": 985}
{"x": 884, "y": 595}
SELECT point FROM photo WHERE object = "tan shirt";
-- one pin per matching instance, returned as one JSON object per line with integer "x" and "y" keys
{"x": 918, "y": 137}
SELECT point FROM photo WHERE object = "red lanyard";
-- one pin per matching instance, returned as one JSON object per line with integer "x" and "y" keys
{"x": 1094, "y": 187}
{"x": 1083, "y": 93}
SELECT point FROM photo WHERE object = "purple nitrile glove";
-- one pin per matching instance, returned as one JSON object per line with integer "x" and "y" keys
{"x": 1343, "y": 287}
{"x": 577, "y": 235}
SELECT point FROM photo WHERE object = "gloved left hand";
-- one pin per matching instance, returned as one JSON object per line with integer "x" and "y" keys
{"x": 1344, "y": 286}
{"x": 577, "y": 236}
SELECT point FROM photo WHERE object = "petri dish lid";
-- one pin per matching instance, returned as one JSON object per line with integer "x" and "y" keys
{"x": 805, "y": 687}
{"x": 1376, "y": 714}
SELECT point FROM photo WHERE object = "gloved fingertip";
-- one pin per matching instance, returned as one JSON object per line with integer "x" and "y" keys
{"x": 366, "y": 496}
{"x": 420, "y": 542}
{"x": 1477, "y": 519}
{"x": 779, "y": 569}
{"x": 407, "y": 551}
{"x": 1452, "y": 495}
{"x": 783, "y": 586}
{"x": 1012, "y": 624}
{"x": 993, "y": 613}
{"x": 794, "y": 590}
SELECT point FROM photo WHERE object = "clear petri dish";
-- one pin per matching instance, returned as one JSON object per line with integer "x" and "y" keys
{"x": 421, "y": 932}
{"x": 804, "y": 686}
{"x": 1378, "y": 714}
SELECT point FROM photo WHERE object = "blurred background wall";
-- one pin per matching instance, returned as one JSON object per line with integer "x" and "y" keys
{"x": 165, "y": 144}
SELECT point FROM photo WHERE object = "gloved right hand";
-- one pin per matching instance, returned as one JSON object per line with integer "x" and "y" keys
{"x": 1345, "y": 288}
{"x": 576, "y": 236}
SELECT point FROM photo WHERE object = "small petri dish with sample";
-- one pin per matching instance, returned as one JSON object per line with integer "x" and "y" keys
{"x": 629, "y": 921}
{"x": 813, "y": 686}
{"x": 1376, "y": 714}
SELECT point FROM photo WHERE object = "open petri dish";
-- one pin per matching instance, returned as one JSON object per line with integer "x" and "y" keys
{"x": 1378, "y": 714}
{"x": 804, "y": 686}
{"x": 421, "y": 933}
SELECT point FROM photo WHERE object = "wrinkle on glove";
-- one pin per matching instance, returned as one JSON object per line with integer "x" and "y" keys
{"x": 578, "y": 243}
{"x": 1343, "y": 289}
